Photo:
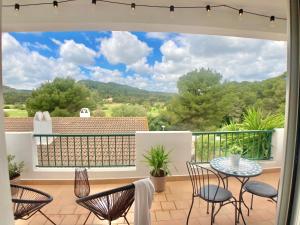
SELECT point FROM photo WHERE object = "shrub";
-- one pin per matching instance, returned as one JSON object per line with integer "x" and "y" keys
{"x": 14, "y": 168}
{"x": 158, "y": 160}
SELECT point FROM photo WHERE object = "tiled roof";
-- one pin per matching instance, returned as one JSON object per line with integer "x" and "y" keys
{"x": 77, "y": 125}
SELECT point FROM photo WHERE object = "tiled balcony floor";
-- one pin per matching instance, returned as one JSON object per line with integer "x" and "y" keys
{"x": 169, "y": 208}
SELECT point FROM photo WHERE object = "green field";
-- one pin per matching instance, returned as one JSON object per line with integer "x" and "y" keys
{"x": 151, "y": 110}
{"x": 15, "y": 113}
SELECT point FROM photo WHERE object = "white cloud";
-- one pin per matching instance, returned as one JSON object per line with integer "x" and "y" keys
{"x": 55, "y": 41}
{"x": 27, "y": 69}
{"x": 235, "y": 58}
{"x": 124, "y": 47}
{"x": 105, "y": 75}
{"x": 37, "y": 46}
{"x": 141, "y": 67}
{"x": 157, "y": 35}
{"x": 77, "y": 53}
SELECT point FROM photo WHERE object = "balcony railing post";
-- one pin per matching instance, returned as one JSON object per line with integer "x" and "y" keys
{"x": 255, "y": 143}
{"x": 82, "y": 152}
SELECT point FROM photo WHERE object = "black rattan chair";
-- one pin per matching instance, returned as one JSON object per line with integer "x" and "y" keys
{"x": 81, "y": 183}
{"x": 260, "y": 189}
{"x": 28, "y": 201}
{"x": 109, "y": 205}
{"x": 209, "y": 191}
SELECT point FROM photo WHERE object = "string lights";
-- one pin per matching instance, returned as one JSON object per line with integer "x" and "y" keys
{"x": 208, "y": 8}
{"x": 172, "y": 8}
{"x": 17, "y": 7}
{"x": 272, "y": 19}
{"x": 133, "y": 6}
{"x": 241, "y": 12}
{"x": 55, "y": 4}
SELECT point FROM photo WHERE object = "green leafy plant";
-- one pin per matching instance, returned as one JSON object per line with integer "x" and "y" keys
{"x": 14, "y": 168}
{"x": 158, "y": 160}
{"x": 236, "y": 150}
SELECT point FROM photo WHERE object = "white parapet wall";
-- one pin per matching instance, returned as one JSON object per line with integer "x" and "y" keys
{"x": 277, "y": 150}
{"x": 23, "y": 146}
{"x": 179, "y": 143}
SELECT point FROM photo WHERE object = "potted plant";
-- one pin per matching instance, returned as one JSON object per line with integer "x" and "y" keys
{"x": 236, "y": 151}
{"x": 14, "y": 169}
{"x": 158, "y": 160}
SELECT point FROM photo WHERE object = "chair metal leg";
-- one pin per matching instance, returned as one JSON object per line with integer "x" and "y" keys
{"x": 187, "y": 220}
{"x": 212, "y": 213}
{"x": 46, "y": 217}
{"x": 87, "y": 218}
{"x": 251, "y": 206}
{"x": 207, "y": 208}
{"x": 235, "y": 213}
{"x": 126, "y": 220}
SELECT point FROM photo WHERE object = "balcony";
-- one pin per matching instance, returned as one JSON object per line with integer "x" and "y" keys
{"x": 117, "y": 159}
{"x": 170, "y": 207}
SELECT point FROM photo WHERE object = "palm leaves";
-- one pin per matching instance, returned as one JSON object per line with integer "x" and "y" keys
{"x": 256, "y": 119}
{"x": 158, "y": 160}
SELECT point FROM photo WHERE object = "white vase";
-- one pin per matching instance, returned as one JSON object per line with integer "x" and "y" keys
{"x": 235, "y": 160}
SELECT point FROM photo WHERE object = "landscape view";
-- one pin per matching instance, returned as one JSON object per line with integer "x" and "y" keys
{"x": 177, "y": 81}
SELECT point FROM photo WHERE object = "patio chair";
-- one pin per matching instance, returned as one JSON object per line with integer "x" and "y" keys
{"x": 260, "y": 189}
{"x": 109, "y": 205}
{"x": 206, "y": 185}
{"x": 81, "y": 183}
{"x": 28, "y": 201}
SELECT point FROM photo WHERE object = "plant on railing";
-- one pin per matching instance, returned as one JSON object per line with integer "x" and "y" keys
{"x": 14, "y": 168}
{"x": 158, "y": 159}
{"x": 257, "y": 145}
{"x": 236, "y": 150}
{"x": 256, "y": 119}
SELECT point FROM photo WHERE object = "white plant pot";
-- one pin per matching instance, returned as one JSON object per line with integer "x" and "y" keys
{"x": 235, "y": 160}
{"x": 159, "y": 183}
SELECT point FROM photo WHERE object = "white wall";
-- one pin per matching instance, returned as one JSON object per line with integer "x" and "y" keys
{"x": 277, "y": 150}
{"x": 179, "y": 143}
{"x": 6, "y": 214}
{"x": 23, "y": 146}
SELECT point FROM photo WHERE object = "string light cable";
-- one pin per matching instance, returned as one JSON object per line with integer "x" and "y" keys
{"x": 133, "y": 6}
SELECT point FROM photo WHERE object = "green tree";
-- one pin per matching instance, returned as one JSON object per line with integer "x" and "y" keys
{"x": 129, "y": 111}
{"x": 205, "y": 101}
{"x": 62, "y": 97}
{"x": 198, "y": 105}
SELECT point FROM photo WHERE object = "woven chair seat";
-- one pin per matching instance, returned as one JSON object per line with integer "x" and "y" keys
{"x": 109, "y": 205}
{"x": 27, "y": 201}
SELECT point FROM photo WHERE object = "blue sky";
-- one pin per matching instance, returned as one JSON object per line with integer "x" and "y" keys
{"x": 151, "y": 61}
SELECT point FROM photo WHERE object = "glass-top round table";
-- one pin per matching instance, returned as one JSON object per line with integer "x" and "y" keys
{"x": 246, "y": 170}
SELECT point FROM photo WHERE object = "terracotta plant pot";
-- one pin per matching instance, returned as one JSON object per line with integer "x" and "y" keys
{"x": 15, "y": 181}
{"x": 235, "y": 160}
{"x": 159, "y": 183}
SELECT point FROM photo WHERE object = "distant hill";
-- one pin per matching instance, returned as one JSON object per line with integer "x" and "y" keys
{"x": 125, "y": 93}
{"x": 15, "y": 96}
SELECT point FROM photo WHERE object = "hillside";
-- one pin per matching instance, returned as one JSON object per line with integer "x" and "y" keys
{"x": 15, "y": 96}
{"x": 125, "y": 93}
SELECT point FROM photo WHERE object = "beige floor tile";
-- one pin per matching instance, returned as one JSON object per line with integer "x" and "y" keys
{"x": 168, "y": 208}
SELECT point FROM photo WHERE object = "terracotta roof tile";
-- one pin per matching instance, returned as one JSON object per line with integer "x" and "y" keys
{"x": 77, "y": 125}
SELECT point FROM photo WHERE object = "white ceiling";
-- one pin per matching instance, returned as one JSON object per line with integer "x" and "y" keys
{"x": 82, "y": 15}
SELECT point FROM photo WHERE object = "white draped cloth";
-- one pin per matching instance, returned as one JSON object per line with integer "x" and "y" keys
{"x": 143, "y": 198}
